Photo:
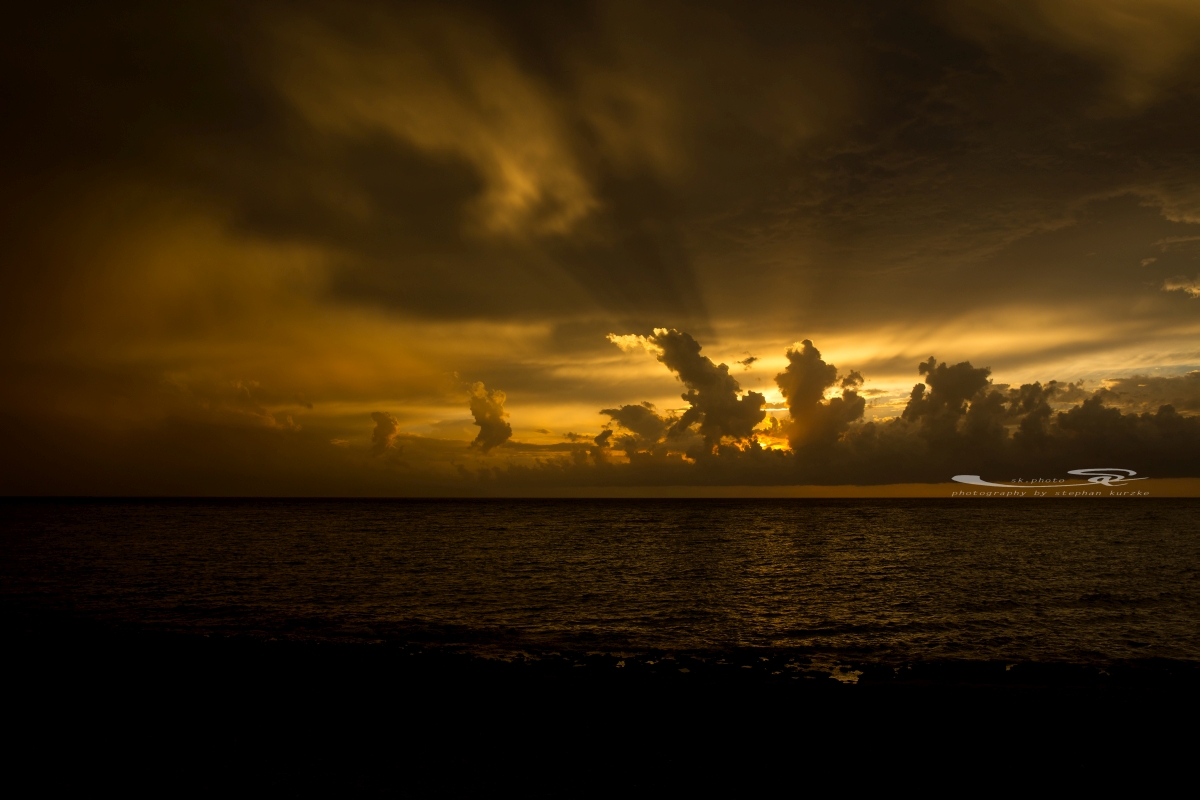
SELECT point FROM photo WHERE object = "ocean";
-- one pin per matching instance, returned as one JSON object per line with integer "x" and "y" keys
{"x": 838, "y": 581}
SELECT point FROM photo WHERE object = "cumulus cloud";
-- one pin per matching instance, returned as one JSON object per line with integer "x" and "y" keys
{"x": 944, "y": 398}
{"x": 1148, "y": 393}
{"x": 633, "y": 342}
{"x": 477, "y": 171}
{"x": 488, "y": 408}
{"x": 641, "y": 419}
{"x": 713, "y": 394}
{"x": 956, "y": 421}
{"x": 387, "y": 428}
{"x": 646, "y": 432}
{"x": 803, "y": 384}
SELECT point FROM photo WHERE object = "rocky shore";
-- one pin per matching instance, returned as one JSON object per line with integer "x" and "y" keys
{"x": 90, "y": 706}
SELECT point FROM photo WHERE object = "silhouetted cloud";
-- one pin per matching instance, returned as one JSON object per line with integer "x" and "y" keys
{"x": 715, "y": 407}
{"x": 804, "y": 383}
{"x": 216, "y": 213}
{"x": 1149, "y": 392}
{"x": 383, "y": 437}
{"x": 956, "y": 421}
{"x": 641, "y": 419}
{"x": 488, "y": 408}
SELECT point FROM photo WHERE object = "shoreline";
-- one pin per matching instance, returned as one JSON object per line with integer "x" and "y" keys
{"x": 433, "y": 652}
{"x": 122, "y": 706}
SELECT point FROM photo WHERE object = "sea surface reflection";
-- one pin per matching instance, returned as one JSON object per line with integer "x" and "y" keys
{"x": 887, "y": 579}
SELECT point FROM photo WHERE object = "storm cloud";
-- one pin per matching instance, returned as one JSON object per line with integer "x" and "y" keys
{"x": 956, "y": 421}
{"x": 234, "y": 232}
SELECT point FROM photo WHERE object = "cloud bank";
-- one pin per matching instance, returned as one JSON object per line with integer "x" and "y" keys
{"x": 232, "y": 233}
{"x": 956, "y": 421}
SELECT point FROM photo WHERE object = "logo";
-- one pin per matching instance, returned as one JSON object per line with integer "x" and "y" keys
{"x": 1096, "y": 477}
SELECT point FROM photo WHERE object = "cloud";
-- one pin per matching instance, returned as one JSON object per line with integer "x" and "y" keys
{"x": 1171, "y": 242}
{"x": 1140, "y": 44}
{"x": 233, "y": 404}
{"x": 803, "y": 383}
{"x": 633, "y": 342}
{"x": 1181, "y": 283}
{"x": 746, "y": 362}
{"x": 447, "y": 86}
{"x": 387, "y": 428}
{"x": 276, "y": 194}
{"x": 642, "y": 420}
{"x": 1145, "y": 393}
{"x": 946, "y": 393}
{"x": 713, "y": 394}
{"x": 956, "y": 421}
{"x": 487, "y": 406}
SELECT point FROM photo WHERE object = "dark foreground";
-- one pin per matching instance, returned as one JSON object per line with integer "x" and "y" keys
{"x": 140, "y": 650}
{"x": 90, "y": 707}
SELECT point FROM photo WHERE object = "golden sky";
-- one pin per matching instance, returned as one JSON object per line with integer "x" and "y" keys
{"x": 453, "y": 248}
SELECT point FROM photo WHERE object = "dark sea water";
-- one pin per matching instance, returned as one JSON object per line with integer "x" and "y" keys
{"x": 887, "y": 580}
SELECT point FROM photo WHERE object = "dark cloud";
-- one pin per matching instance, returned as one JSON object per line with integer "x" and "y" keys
{"x": 642, "y": 420}
{"x": 803, "y": 383}
{"x": 200, "y": 197}
{"x": 487, "y": 406}
{"x": 1144, "y": 393}
{"x": 715, "y": 405}
{"x": 565, "y": 153}
{"x": 938, "y": 404}
{"x": 955, "y": 422}
{"x": 1071, "y": 392}
{"x": 387, "y": 428}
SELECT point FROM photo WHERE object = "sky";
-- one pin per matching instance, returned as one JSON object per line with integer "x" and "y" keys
{"x": 395, "y": 249}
